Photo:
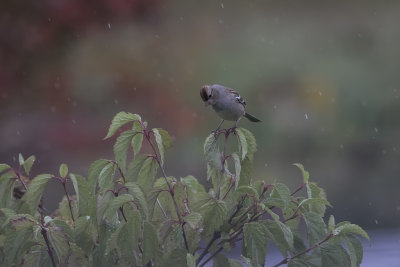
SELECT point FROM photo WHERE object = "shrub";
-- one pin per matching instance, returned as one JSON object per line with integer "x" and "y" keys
{"x": 121, "y": 215}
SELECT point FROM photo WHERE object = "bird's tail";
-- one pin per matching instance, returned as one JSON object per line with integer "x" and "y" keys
{"x": 251, "y": 117}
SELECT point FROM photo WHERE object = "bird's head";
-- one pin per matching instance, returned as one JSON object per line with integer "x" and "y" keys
{"x": 207, "y": 94}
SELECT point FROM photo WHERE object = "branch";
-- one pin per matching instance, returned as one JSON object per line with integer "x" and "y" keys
{"x": 171, "y": 191}
{"x": 44, "y": 234}
{"x": 68, "y": 198}
{"x": 286, "y": 260}
{"x": 205, "y": 251}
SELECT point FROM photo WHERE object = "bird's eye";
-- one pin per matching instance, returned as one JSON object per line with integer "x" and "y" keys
{"x": 209, "y": 96}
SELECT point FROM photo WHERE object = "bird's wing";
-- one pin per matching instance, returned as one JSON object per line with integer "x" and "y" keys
{"x": 237, "y": 97}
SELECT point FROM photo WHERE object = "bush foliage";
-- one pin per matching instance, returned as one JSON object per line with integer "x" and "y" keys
{"x": 123, "y": 215}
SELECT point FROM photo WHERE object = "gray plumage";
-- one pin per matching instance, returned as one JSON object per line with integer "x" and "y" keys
{"x": 228, "y": 104}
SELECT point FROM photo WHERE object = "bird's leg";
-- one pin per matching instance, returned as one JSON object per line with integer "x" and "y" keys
{"x": 217, "y": 129}
{"x": 235, "y": 126}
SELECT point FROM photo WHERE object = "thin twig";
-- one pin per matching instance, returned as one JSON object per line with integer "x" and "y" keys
{"x": 286, "y": 260}
{"x": 171, "y": 191}
{"x": 68, "y": 198}
{"x": 211, "y": 256}
{"x": 49, "y": 251}
{"x": 205, "y": 251}
{"x": 184, "y": 236}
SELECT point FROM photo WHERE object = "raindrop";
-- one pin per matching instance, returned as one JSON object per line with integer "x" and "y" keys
{"x": 18, "y": 132}
{"x": 74, "y": 121}
{"x": 376, "y": 221}
{"x": 341, "y": 146}
{"x": 181, "y": 18}
{"x": 376, "y": 129}
{"x": 115, "y": 101}
{"x": 69, "y": 99}
{"x": 134, "y": 88}
{"x": 14, "y": 158}
{"x": 222, "y": 5}
{"x": 49, "y": 19}
{"x": 333, "y": 100}
{"x": 266, "y": 164}
{"x": 53, "y": 109}
{"x": 220, "y": 21}
{"x": 306, "y": 116}
{"x": 275, "y": 107}
{"x": 109, "y": 25}
{"x": 320, "y": 93}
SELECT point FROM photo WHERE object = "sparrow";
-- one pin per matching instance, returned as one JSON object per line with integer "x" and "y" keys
{"x": 228, "y": 104}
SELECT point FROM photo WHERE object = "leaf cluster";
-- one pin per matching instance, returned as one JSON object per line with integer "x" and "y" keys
{"x": 128, "y": 212}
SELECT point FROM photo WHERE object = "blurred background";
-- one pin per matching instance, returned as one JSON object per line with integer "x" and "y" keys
{"x": 323, "y": 77}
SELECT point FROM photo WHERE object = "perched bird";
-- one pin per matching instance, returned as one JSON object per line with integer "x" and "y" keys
{"x": 228, "y": 104}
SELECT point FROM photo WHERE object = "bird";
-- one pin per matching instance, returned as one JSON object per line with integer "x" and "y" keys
{"x": 228, "y": 104}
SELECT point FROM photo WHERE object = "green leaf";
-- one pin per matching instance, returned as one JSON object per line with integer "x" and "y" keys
{"x": 238, "y": 168}
{"x": 214, "y": 213}
{"x": 305, "y": 173}
{"x": 63, "y": 170}
{"x": 106, "y": 176}
{"x": 149, "y": 243}
{"x": 21, "y": 159}
{"x": 128, "y": 237}
{"x": 163, "y": 141}
{"x": 351, "y": 228}
{"x": 315, "y": 227}
{"x": 134, "y": 167}
{"x": 246, "y": 191}
{"x": 15, "y": 245}
{"x": 242, "y": 142}
{"x": 247, "y": 143}
{"x": 93, "y": 173}
{"x": 78, "y": 257}
{"x": 280, "y": 234}
{"x": 4, "y": 167}
{"x": 147, "y": 173}
{"x": 314, "y": 191}
{"x": 331, "y": 223}
{"x": 220, "y": 260}
{"x": 35, "y": 190}
{"x": 7, "y": 182}
{"x": 22, "y": 221}
{"x": 190, "y": 260}
{"x": 235, "y": 263}
{"x": 139, "y": 198}
{"x": 281, "y": 194}
{"x": 255, "y": 242}
{"x": 75, "y": 185}
{"x": 212, "y": 153}
{"x": 175, "y": 257}
{"x": 121, "y": 148}
{"x": 354, "y": 248}
{"x": 82, "y": 191}
{"x": 246, "y": 172}
{"x": 137, "y": 139}
{"x": 59, "y": 241}
{"x": 194, "y": 220}
{"x": 334, "y": 255}
{"x": 28, "y": 164}
{"x": 120, "y": 119}
{"x": 310, "y": 201}
{"x": 116, "y": 203}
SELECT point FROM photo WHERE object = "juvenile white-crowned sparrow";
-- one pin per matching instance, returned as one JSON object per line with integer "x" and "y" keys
{"x": 228, "y": 104}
